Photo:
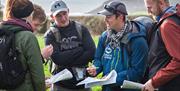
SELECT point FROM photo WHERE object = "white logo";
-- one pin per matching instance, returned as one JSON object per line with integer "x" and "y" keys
{"x": 107, "y": 53}
{"x": 2, "y": 40}
{"x": 108, "y": 50}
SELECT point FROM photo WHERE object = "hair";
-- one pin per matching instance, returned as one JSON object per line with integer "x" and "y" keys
{"x": 17, "y": 9}
{"x": 119, "y": 14}
{"x": 38, "y": 13}
{"x": 166, "y": 1}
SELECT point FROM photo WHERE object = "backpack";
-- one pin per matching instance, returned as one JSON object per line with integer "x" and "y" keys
{"x": 165, "y": 58}
{"x": 148, "y": 25}
{"x": 150, "y": 32}
{"x": 57, "y": 36}
{"x": 12, "y": 73}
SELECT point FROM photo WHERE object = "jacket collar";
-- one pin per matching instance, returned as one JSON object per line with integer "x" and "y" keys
{"x": 18, "y": 22}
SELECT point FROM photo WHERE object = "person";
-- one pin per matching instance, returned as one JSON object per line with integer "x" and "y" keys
{"x": 36, "y": 19}
{"x": 113, "y": 50}
{"x": 73, "y": 47}
{"x": 164, "y": 53}
{"x": 15, "y": 19}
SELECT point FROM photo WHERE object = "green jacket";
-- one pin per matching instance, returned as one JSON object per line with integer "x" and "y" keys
{"x": 30, "y": 56}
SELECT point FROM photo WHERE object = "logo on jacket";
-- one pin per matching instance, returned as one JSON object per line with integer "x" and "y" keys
{"x": 108, "y": 50}
{"x": 69, "y": 43}
{"x": 108, "y": 53}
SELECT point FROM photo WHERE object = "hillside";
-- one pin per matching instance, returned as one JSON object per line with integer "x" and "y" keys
{"x": 132, "y": 6}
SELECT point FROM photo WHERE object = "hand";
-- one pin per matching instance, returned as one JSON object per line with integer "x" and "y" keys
{"x": 148, "y": 86}
{"x": 91, "y": 70}
{"x": 48, "y": 85}
{"x": 47, "y": 51}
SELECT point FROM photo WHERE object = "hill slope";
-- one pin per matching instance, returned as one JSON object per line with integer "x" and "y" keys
{"x": 131, "y": 5}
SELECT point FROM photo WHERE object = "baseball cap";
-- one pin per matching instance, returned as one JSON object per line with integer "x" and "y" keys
{"x": 58, "y": 6}
{"x": 114, "y": 7}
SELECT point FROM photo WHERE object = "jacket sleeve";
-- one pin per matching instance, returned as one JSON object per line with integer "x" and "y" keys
{"x": 32, "y": 53}
{"x": 137, "y": 61}
{"x": 89, "y": 48}
{"x": 99, "y": 53}
{"x": 170, "y": 33}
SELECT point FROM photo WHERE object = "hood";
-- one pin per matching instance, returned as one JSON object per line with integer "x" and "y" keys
{"x": 137, "y": 30}
{"x": 170, "y": 11}
{"x": 17, "y": 23}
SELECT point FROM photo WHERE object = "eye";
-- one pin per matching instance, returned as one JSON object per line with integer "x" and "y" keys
{"x": 64, "y": 13}
{"x": 108, "y": 16}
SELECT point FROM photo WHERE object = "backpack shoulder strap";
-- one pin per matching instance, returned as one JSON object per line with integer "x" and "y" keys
{"x": 174, "y": 17}
{"x": 56, "y": 33}
{"x": 79, "y": 29}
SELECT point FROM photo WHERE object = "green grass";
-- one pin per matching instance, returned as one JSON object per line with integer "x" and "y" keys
{"x": 48, "y": 74}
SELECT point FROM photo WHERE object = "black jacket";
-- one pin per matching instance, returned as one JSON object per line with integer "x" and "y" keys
{"x": 71, "y": 51}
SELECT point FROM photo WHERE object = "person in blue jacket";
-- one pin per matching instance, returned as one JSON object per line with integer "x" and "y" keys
{"x": 122, "y": 47}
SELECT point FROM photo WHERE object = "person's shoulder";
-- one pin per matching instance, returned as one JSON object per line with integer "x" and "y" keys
{"x": 26, "y": 34}
{"x": 50, "y": 31}
{"x": 104, "y": 34}
{"x": 79, "y": 24}
{"x": 172, "y": 21}
{"x": 76, "y": 22}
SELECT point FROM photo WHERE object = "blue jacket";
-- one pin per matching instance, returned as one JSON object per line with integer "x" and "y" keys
{"x": 128, "y": 65}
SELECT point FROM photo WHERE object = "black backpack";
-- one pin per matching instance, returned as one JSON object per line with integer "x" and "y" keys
{"x": 12, "y": 73}
{"x": 151, "y": 29}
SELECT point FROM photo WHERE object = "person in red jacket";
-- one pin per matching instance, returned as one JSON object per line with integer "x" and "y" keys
{"x": 166, "y": 78}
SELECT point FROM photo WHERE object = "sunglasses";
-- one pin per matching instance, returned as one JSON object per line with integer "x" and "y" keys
{"x": 113, "y": 9}
{"x": 110, "y": 9}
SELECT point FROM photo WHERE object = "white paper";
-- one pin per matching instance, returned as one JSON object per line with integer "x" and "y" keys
{"x": 62, "y": 75}
{"x": 90, "y": 81}
{"x": 131, "y": 85}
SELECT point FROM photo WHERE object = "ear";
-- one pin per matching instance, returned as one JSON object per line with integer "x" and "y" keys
{"x": 178, "y": 9}
{"x": 121, "y": 17}
{"x": 162, "y": 4}
{"x": 29, "y": 18}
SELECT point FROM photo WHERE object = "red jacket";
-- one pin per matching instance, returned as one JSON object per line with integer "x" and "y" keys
{"x": 170, "y": 33}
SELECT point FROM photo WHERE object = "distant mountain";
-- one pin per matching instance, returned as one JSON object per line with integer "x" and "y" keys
{"x": 1, "y": 6}
{"x": 131, "y": 5}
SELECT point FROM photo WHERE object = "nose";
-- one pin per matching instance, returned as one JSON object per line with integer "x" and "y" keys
{"x": 63, "y": 18}
{"x": 106, "y": 19}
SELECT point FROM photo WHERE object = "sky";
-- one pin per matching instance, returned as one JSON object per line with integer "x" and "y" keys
{"x": 76, "y": 6}
{"x": 83, "y": 6}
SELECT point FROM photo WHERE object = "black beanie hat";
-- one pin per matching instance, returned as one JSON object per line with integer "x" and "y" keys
{"x": 22, "y": 11}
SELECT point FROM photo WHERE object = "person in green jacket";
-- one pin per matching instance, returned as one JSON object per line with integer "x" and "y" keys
{"x": 16, "y": 12}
